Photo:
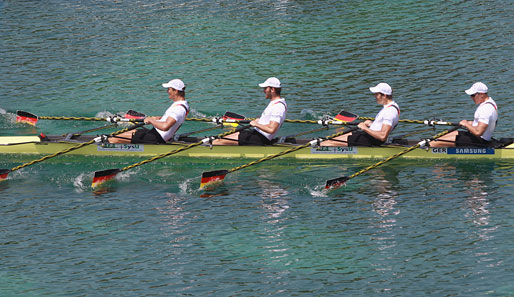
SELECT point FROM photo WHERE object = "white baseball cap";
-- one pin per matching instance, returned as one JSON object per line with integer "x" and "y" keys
{"x": 176, "y": 84}
{"x": 477, "y": 87}
{"x": 382, "y": 88}
{"x": 271, "y": 82}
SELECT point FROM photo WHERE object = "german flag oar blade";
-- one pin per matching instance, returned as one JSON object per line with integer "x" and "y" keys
{"x": 26, "y": 117}
{"x": 346, "y": 116}
{"x": 233, "y": 116}
{"x": 228, "y": 116}
{"x": 4, "y": 173}
{"x": 211, "y": 177}
{"x": 132, "y": 114}
{"x": 104, "y": 176}
{"x": 336, "y": 182}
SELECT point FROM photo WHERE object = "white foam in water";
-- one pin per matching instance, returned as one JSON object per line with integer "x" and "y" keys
{"x": 126, "y": 175}
{"x": 183, "y": 186}
{"x": 317, "y": 192}
{"x": 78, "y": 182}
{"x": 2, "y": 111}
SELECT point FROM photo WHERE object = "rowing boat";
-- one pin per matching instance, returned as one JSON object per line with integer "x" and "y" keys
{"x": 35, "y": 145}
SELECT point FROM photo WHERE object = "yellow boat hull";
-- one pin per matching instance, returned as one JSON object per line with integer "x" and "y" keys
{"x": 31, "y": 145}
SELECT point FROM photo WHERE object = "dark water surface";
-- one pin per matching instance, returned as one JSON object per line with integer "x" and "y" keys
{"x": 409, "y": 228}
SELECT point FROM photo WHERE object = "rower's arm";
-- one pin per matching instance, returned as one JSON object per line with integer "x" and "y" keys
{"x": 270, "y": 128}
{"x": 475, "y": 130}
{"x": 380, "y": 135}
{"x": 164, "y": 126}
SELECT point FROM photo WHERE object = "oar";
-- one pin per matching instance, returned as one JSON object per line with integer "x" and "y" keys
{"x": 226, "y": 116}
{"x": 32, "y": 119}
{"x": 424, "y": 122}
{"x": 217, "y": 176}
{"x": 106, "y": 175}
{"x": 5, "y": 172}
{"x": 337, "y": 182}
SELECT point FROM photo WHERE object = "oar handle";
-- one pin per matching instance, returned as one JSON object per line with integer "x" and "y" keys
{"x": 221, "y": 121}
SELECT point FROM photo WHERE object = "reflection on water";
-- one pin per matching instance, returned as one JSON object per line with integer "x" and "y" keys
{"x": 173, "y": 215}
{"x": 272, "y": 201}
{"x": 477, "y": 201}
{"x": 384, "y": 205}
{"x": 382, "y": 185}
{"x": 476, "y": 178}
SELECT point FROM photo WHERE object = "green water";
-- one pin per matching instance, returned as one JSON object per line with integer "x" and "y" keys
{"x": 409, "y": 228}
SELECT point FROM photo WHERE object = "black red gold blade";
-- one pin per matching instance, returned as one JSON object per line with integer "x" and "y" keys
{"x": 346, "y": 116}
{"x": 104, "y": 176}
{"x": 132, "y": 114}
{"x": 336, "y": 182}
{"x": 26, "y": 117}
{"x": 211, "y": 177}
{"x": 233, "y": 116}
{"x": 4, "y": 173}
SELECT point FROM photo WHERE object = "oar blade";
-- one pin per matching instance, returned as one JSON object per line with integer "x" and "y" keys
{"x": 232, "y": 116}
{"x": 101, "y": 177}
{"x": 26, "y": 118}
{"x": 4, "y": 173}
{"x": 132, "y": 114}
{"x": 336, "y": 182}
{"x": 346, "y": 116}
{"x": 211, "y": 178}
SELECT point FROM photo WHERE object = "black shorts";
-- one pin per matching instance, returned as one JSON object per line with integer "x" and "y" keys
{"x": 252, "y": 137}
{"x": 466, "y": 138}
{"x": 361, "y": 138}
{"x": 147, "y": 136}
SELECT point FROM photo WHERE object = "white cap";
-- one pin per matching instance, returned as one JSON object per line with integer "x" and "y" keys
{"x": 271, "y": 82}
{"x": 477, "y": 87}
{"x": 176, "y": 84}
{"x": 382, "y": 88}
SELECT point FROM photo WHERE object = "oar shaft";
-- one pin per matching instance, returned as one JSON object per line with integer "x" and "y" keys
{"x": 419, "y": 144}
{"x": 311, "y": 143}
{"x": 71, "y": 149}
{"x": 424, "y": 122}
{"x": 163, "y": 155}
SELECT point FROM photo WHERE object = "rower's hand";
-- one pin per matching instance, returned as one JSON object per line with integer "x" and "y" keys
{"x": 254, "y": 123}
{"x": 362, "y": 125}
{"x": 149, "y": 120}
{"x": 466, "y": 123}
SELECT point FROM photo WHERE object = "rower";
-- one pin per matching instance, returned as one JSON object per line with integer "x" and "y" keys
{"x": 265, "y": 127}
{"x": 373, "y": 133}
{"x": 164, "y": 127}
{"x": 480, "y": 130}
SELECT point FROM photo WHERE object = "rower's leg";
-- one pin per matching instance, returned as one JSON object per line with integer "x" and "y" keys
{"x": 230, "y": 139}
{"x": 338, "y": 141}
{"x": 447, "y": 140}
{"x": 125, "y": 137}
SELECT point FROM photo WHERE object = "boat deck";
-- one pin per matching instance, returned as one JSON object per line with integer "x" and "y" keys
{"x": 51, "y": 144}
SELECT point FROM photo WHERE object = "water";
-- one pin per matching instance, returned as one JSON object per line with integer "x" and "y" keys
{"x": 408, "y": 228}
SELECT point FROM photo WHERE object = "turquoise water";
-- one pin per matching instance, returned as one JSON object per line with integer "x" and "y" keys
{"x": 409, "y": 228}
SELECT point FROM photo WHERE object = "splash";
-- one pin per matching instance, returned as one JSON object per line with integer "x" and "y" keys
{"x": 78, "y": 182}
{"x": 318, "y": 191}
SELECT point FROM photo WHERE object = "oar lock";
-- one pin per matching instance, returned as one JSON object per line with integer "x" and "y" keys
{"x": 208, "y": 141}
{"x": 101, "y": 139}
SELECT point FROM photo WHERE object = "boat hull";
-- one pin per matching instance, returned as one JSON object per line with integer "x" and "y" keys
{"x": 31, "y": 145}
